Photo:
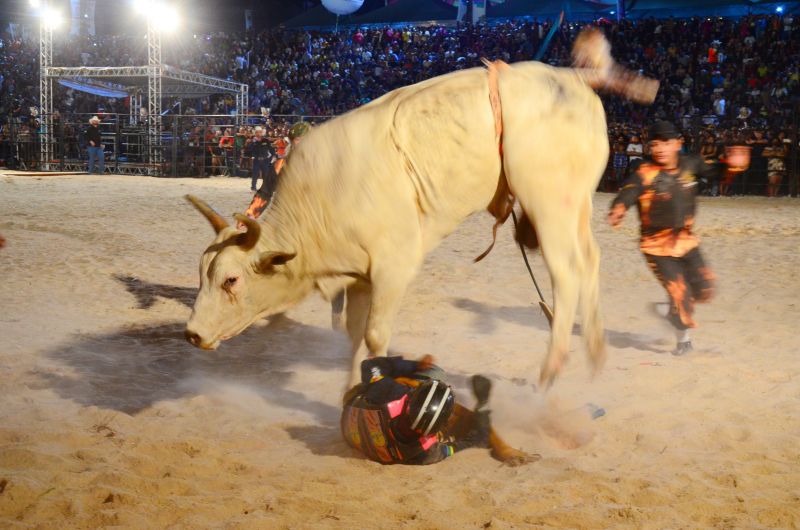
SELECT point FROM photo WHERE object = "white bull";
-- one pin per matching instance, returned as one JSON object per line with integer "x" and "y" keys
{"x": 365, "y": 196}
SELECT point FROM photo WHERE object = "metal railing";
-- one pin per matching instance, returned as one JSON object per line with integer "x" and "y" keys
{"x": 752, "y": 181}
{"x": 191, "y": 145}
{"x": 208, "y": 145}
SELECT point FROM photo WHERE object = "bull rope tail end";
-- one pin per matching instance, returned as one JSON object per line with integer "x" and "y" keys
{"x": 494, "y": 239}
{"x": 502, "y": 203}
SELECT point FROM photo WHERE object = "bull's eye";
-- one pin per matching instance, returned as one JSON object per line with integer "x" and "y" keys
{"x": 230, "y": 282}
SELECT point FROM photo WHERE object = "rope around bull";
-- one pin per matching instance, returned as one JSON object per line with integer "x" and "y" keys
{"x": 548, "y": 313}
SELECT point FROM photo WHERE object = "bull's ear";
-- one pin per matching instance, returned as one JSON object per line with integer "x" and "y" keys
{"x": 216, "y": 220}
{"x": 269, "y": 259}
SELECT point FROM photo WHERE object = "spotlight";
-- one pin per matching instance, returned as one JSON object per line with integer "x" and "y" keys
{"x": 165, "y": 17}
{"x": 51, "y": 18}
{"x": 779, "y": 9}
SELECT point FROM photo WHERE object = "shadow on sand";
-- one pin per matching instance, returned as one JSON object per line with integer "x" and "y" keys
{"x": 486, "y": 318}
{"x": 147, "y": 293}
{"x": 132, "y": 368}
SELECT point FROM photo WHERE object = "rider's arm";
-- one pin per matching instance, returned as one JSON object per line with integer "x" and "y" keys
{"x": 627, "y": 197}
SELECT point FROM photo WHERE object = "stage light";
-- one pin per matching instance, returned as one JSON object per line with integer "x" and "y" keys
{"x": 165, "y": 17}
{"x": 779, "y": 9}
{"x": 51, "y": 18}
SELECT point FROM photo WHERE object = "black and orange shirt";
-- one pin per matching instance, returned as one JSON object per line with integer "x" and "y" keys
{"x": 666, "y": 204}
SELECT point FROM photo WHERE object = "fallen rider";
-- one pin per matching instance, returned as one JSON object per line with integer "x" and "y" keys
{"x": 404, "y": 413}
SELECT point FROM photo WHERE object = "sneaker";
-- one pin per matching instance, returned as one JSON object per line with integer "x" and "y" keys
{"x": 660, "y": 309}
{"x": 682, "y": 348}
{"x": 481, "y": 386}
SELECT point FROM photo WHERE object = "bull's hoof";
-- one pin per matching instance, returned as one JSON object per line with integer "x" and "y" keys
{"x": 550, "y": 370}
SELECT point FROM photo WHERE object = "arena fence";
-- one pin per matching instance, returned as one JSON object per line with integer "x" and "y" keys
{"x": 192, "y": 145}
{"x": 209, "y": 145}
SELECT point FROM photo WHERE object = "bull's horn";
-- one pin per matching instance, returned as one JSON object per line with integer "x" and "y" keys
{"x": 249, "y": 239}
{"x": 216, "y": 220}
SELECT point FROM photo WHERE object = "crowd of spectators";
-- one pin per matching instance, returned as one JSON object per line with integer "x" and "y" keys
{"x": 721, "y": 78}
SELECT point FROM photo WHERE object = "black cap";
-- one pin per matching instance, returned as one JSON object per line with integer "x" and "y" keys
{"x": 664, "y": 130}
{"x": 375, "y": 368}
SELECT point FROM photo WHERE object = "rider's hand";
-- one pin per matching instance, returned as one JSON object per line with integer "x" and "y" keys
{"x": 616, "y": 215}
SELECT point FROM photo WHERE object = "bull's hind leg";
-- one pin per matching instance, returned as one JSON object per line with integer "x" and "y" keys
{"x": 591, "y": 322}
{"x": 556, "y": 222}
{"x": 358, "y": 301}
{"x": 337, "y": 309}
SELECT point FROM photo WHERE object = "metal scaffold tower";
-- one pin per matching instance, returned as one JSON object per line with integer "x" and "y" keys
{"x": 45, "y": 88}
{"x": 162, "y": 81}
{"x": 135, "y": 108}
{"x": 154, "y": 73}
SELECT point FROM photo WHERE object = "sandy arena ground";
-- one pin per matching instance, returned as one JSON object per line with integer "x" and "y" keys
{"x": 108, "y": 418}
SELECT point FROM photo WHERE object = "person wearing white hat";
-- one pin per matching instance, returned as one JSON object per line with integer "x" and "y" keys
{"x": 95, "y": 146}
{"x": 260, "y": 148}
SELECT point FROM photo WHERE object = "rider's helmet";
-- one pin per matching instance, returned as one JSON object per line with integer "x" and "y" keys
{"x": 429, "y": 407}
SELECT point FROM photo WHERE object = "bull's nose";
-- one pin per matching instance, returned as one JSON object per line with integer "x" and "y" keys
{"x": 192, "y": 337}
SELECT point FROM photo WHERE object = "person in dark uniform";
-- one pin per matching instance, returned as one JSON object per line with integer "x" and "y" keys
{"x": 664, "y": 188}
{"x": 263, "y": 196}
{"x": 95, "y": 146}
{"x": 264, "y": 156}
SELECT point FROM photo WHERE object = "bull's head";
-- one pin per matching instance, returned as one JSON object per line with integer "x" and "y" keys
{"x": 239, "y": 283}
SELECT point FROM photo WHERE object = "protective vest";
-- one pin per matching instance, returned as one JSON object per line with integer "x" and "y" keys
{"x": 370, "y": 429}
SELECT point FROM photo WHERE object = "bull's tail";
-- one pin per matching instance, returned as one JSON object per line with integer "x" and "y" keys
{"x": 592, "y": 59}
{"x": 591, "y": 55}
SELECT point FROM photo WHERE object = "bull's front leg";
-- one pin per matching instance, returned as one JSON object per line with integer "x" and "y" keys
{"x": 358, "y": 303}
{"x": 388, "y": 288}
